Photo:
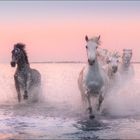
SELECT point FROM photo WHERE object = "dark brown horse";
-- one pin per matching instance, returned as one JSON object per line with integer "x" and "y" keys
{"x": 25, "y": 77}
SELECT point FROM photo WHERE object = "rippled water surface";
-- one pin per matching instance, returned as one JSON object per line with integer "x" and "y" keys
{"x": 59, "y": 113}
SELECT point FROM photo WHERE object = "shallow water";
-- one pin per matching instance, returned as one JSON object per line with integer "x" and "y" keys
{"x": 59, "y": 113}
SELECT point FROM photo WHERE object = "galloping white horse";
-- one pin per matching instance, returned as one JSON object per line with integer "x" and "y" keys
{"x": 112, "y": 70}
{"x": 126, "y": 68}
{"x": 112, "y": 65}
{"x": 92, "y": 81}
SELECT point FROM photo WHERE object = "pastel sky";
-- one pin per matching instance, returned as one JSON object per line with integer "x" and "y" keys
{"x": 55, "y": 30}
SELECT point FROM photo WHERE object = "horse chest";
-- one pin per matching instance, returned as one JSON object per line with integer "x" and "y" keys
{"x": 23, "y": 77}
{"x": 92, "y": 77}
{"x": 93, "y": 81}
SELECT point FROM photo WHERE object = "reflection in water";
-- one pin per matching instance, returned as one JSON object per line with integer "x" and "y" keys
{"x": 90, "y": 125}
{"x": 87, "y": 128}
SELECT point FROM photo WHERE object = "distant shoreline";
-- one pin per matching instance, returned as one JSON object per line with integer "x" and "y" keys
{"x": 62, "y": 62}
{"x": 73, "y": 62}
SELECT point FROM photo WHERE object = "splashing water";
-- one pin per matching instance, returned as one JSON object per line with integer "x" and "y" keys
{"x": 59, "y": 112}
{"x": 123, "y": 99}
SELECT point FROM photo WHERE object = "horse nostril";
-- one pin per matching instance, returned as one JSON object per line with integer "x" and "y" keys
{"x": 13, "y": 64}
{"x": 115, "y": 68}
{"x": 91, "y": 62}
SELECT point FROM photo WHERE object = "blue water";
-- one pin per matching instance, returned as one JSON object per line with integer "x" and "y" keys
{"x": 59, "y": 113}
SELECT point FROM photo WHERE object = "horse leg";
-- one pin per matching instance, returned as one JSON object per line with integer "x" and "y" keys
{"x": 17, "y": 88}
{"x": 91, "y": 116}
{"x": 25, "y": 96}
{"x": 100, "y": 102}
{"x": 84, "y": 99}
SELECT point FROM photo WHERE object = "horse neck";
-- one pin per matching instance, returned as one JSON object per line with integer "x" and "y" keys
{"x": 22, "y": 65}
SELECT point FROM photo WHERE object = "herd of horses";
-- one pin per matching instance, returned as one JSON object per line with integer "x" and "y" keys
{"x": 94, "y": 80}
{"x": 103, "y": 71}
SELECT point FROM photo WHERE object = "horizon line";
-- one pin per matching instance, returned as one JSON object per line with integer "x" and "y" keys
{"x": 64, "y": 62}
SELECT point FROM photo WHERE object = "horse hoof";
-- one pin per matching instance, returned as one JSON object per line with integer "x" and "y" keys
{"x": 25, "y": 96}
{"x": 90, "y": 110}
{"x": 91, "y": 116}
{"x": 98, "y": 109}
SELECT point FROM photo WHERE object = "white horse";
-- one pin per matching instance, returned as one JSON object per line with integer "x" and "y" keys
{"x": 126, "y": 67}
{"x": 92, "y": 81}
{"x": 109, "y": 61}
{"x": 112, "y": 70}
{"x": 112, "y": 65}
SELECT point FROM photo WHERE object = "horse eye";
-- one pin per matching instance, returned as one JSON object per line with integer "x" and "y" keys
{"x": 17, "y": 50}
{"x": 86, "y": 47}
{"x": 108, "y": 61}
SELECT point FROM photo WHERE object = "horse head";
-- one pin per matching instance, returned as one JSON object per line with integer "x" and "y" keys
{"x": 92, "y": 45}
{"x": 113, "y": 61}
{"x": 18, "y": 53}
{"x": 127, "y": 55}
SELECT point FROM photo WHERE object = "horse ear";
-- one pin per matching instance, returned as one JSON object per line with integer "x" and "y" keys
{"x": 99, "y": 37}
{"x": 86, "y": 38}
{"x": 124, "y": 50}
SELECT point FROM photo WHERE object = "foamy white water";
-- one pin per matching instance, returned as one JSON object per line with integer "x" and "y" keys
{"x": 59, "y": 113}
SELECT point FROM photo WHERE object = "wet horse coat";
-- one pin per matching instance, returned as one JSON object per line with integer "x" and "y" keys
{"x": 92, "y": 79}
{"x": 25, "y": 77}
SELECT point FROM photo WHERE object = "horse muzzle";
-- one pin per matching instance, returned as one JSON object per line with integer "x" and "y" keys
{"x": 114, "y": 69}
{"x": 13, "y": 64}
{"x": 91, "y": 62}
